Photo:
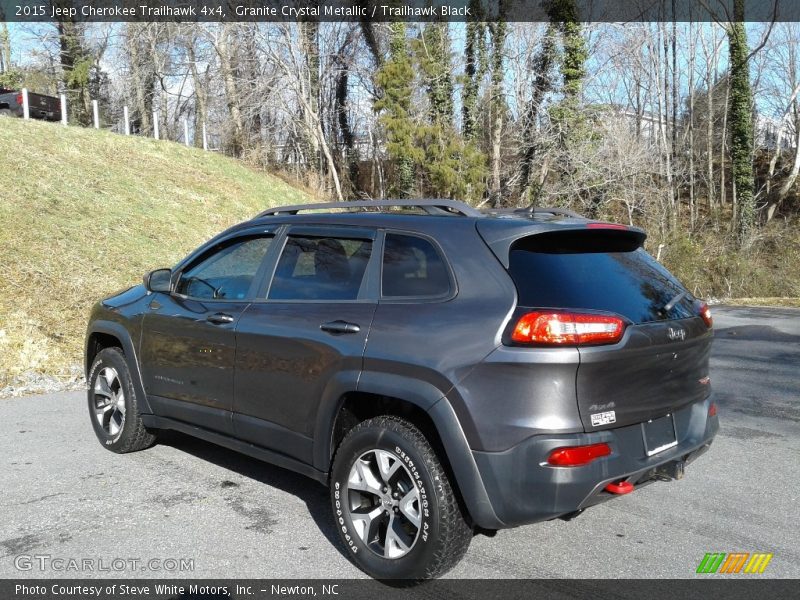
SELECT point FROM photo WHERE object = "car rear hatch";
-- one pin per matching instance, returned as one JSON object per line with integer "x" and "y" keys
{"x": 656, "y": 362}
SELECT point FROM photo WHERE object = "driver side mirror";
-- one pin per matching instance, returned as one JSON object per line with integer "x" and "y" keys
{"x": 159, "y": 280}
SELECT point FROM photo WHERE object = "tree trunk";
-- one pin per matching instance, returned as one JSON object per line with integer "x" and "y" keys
{"x": 668, "y": 136}
{"x": 139, "y": 79}
{"x": 723, "y": 145}
{"x": 675, "y": 84}
{"x": 791, "y": 178}
{"x": 225, "y": 50}
{"x": 542, "y": 83}
{"x": 200, "y": 92}
{"x": 792, "y": 108}
{"x": 351, "y": 157}
{"x": 5, "y": 48}
{"x": 309, "y": 38}
{"x": 368, "y": 31}
{"x": 497, "y": 104}
{"x": 472, "y": 73}
{"x": 690, "y": 121}
{"x": 326, "y": 151}
{"x": 75, "y": 71}
{"x": 710, "y": 191}
{"x": 741, "y": 111}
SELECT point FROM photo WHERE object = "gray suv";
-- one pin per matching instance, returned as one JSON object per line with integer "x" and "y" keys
{"x": 445, "y": 371}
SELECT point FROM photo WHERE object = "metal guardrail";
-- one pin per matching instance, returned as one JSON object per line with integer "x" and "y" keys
{"x": 125, "y": 125}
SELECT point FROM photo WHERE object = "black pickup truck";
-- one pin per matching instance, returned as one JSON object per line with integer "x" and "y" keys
{"x": 41, "y": 106}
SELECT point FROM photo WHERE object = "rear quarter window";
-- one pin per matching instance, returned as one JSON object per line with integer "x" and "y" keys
{"x": 412, "y": 267}
{"x": 595, "y": 271}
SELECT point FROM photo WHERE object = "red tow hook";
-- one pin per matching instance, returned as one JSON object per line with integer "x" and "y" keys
{"x": 620, "y": 487}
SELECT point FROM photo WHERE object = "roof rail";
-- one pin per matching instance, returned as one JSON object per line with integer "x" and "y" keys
{"x": 537, "y": 210}
{"x": 564, "y": 212}
{"x": 432, "y": 207}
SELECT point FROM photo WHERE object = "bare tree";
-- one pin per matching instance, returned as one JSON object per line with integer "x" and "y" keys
{"x": 289, "y": 57}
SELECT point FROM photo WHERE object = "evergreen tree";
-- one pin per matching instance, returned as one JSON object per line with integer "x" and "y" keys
{"x": 451, "y": 168}
{"x": 395, "y": 78}
{"x": 83, "y": 81}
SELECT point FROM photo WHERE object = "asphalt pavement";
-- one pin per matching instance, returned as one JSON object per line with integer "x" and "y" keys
{"x": 217, "y": 514}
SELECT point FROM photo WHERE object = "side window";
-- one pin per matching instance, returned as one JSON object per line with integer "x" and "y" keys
{"x": 320, "y": 268}
{"x": 225, "y": 274}
{"x": 412, "y": 267}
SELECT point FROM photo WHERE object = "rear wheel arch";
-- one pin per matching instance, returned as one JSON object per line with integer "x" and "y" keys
{"x": 348, "y": 385}
{"x": 356, "y": 407}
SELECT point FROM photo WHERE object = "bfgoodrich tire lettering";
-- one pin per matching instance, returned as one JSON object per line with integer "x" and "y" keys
{"x": 113, "y": 406}
{"x": 433, "y": 535}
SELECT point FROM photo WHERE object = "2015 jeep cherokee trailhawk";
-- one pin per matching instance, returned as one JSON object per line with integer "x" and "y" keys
{"x": 445, "y": 371}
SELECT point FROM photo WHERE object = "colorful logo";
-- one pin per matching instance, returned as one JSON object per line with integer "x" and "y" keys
{"x": 735, "y": 562}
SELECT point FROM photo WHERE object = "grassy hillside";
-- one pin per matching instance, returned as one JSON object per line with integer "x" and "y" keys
{"x": 711, "y": 266}
{"x": 83, "y": 213}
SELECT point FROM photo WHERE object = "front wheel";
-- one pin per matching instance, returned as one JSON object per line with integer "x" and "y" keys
{"x": 394, "y": 506}
{"x": 113, "y": 405}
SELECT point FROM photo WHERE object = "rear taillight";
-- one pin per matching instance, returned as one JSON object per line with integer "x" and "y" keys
{"x": 712, "y": 410}
{"x": 567, "y": 329}
{"x": 19, "y": 99}
{"x": 576, "y": 456}
{"x": 705, "y": 312}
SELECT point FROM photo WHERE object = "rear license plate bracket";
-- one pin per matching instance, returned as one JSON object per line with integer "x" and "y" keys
{"x": 659, "y": 434}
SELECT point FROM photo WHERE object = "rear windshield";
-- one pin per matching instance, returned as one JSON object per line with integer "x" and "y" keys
{"x": 569, "y": 270}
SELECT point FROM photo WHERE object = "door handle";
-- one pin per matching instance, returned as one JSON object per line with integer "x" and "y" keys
{"x": 219, "y": 319}
{"x": 338, "y": 327}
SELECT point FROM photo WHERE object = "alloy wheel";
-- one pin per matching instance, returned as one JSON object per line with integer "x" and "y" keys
{"x": 384, "y": 503}
{"x": 109, "y": 401}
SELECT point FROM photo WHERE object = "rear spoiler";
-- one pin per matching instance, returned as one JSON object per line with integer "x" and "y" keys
{"x": 577, "y": 236}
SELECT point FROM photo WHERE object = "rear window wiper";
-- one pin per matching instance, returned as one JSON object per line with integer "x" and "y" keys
{"x": 671, "y": 304}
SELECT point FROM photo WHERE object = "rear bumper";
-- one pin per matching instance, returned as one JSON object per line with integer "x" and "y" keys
{"x": 523, "y": 488}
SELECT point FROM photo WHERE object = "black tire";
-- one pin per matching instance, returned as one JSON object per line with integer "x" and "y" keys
{"x": 108, "y": 400}
{"x": 443, "y": 534}
{"x": 6, "y": 112}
